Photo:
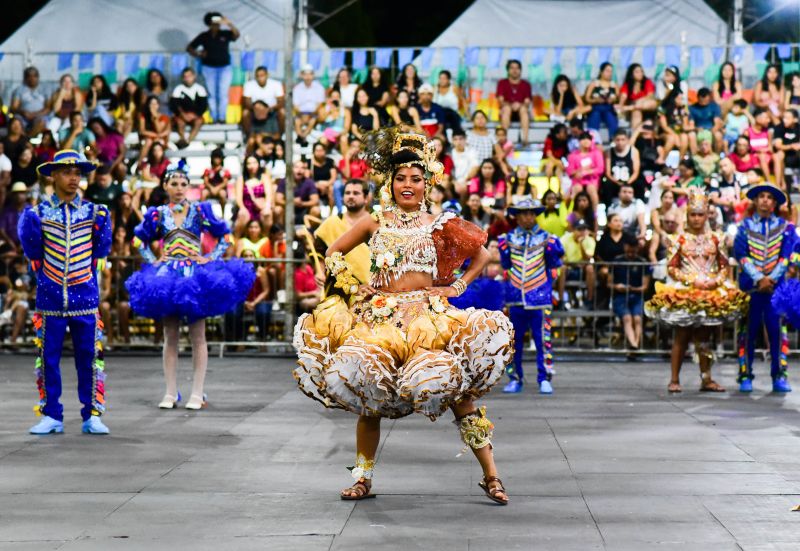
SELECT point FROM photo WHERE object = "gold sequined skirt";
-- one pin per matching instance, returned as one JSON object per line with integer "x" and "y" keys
{"x": 399, "y": 353}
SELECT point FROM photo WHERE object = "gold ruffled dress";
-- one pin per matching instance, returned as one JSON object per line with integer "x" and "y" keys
{"x": 406, "y": 352}
{"x": 695, "y": 258}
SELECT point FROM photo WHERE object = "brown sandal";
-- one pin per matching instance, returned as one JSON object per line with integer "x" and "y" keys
{"x": 711, "y": 385}
{"x": 360, "y": 488}
{"x": 491, "y": 493}
{"x": 674, "y": 388}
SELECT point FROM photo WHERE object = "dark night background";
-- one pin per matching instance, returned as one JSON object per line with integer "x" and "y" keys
{"x": 418, "y": 22}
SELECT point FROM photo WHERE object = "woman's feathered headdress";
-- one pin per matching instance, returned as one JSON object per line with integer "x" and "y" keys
{"x": 387, "y": 149}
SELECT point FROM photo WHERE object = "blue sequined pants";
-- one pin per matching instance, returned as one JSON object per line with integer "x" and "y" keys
{"x": 524, "y": 319}
{"x": 86, "y": 333}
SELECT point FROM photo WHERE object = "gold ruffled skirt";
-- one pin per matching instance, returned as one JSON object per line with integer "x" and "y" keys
{"x": 682, "y": 307}
{"x": 399, "y": 353}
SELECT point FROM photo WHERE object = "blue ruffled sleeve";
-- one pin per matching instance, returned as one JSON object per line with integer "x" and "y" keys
{"x": 29, "y": 229}
{"x": 553, "y": 252}
{"x": 146, "y": 232}
{"x": 102, "y": 235}
{"x": 217, "y": 228}
{"x": 505, "y": 251}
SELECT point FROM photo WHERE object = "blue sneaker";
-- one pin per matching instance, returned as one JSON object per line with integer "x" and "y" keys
{"x": 513, "y": 387}
{"x": 47, "y": 425}
{"x": 746, "y": 385}
{"x": 545, "y": 387}
{"x": 781, "y": 385}
{"x": 93, "y": 425}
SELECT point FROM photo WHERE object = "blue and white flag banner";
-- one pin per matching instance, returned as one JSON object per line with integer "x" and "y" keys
{"x": 131, "y": 63}
{"x": 404, "y": 56}
{"x": 86, "y": 62}
{"x": 65, "y": 61}
{"x": 179, "y": 62}
{"x": 108, "y": 63}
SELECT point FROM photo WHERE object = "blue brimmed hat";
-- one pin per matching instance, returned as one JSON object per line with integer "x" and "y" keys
{"x": 777, "y": 193}
{"x": 66, "y": 158}
{"x": 526, "y": 204}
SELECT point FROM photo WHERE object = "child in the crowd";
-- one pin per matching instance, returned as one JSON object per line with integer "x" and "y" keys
{"x": 216, "y": 178}
{"x": 737, "y": 121}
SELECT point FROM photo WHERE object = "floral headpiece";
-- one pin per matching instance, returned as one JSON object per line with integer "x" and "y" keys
{"x": 698, "y": 202}
{"x": 386, "y": 150}
{"x": 181, "y": 168}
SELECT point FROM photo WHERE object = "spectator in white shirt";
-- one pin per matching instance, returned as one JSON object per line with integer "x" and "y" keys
{"x": 345, "y": 86}
{"x": 632, "y": 211}
{"x": 266, "y": 90}
{"x": 465, "y": 163}
{"x": 309, "y": 94}
{"x": 5, "y": 172}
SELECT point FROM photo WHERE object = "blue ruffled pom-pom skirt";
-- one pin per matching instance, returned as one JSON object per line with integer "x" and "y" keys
{"x": 208, "y": 290}
{"x": 786, "y": 301}
{"x": 485, "y": 293}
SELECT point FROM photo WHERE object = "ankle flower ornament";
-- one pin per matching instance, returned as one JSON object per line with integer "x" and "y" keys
{"x": 363, "y": 468}
{"x": 476, "y": 429}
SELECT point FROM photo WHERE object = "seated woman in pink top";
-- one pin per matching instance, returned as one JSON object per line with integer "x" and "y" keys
{"x": 585, "y": 166}
{"x": 761, "y": 144}
{"x": 489, "y": 184}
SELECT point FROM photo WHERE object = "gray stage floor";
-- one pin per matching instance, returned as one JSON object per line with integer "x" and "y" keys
{"x": 609, "y": 462}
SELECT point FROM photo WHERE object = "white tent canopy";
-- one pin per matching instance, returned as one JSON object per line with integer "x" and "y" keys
{"x": 147, "y": 25}
{"x": 566, "y": 23}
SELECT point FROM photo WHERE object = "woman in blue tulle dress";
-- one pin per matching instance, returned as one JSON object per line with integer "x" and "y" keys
{"x": 182, "y": 284}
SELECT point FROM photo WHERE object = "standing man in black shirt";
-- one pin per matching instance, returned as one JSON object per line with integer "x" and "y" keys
{"x": 211, "y": 48}
{"x": 786, "y": 139}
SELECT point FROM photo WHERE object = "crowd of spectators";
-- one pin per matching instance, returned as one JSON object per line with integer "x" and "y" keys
{"x": 615, "y": 200}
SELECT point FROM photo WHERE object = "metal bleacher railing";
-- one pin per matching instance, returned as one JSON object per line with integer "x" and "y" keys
{"x": 587, "y": 326}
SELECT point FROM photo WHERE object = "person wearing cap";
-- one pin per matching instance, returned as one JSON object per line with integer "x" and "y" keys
{"x": 67, "y": 240}
{"x": 431, "y": 115}
{"x": 532, "y": 257}
{"x": 308, "y": 94}
{"x": 763, "y": 246}
{"x": 11, "y": 213}
{"x": 211, "y": 48}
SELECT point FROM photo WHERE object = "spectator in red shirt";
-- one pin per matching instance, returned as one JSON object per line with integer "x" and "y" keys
{"x": 514, "y": 94}
{"x": 742, "y": 157}
{"x": 555, "y": 149}
{"x": 351, "y": 165}
{"x": 216, "y": 178}
{"x": 306, "y": 290}
{"x": 637, "y": 94}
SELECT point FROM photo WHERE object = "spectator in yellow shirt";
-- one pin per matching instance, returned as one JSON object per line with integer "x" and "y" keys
{"x": 579, "y": 248}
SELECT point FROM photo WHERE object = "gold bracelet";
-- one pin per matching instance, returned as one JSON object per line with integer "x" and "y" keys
{"x": 459, "y": 286}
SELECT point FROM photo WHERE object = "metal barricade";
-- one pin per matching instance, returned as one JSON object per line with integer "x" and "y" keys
{"x": 603, "y": 312}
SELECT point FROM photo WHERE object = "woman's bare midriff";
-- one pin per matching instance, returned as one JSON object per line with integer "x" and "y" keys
{"x": 412, "y": 281}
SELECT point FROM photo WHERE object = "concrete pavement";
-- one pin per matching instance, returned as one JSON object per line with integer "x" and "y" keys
{"x": 609, "y": 462}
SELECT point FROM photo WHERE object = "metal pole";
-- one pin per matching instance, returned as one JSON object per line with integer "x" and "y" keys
{"x": 288, "y": 74}
{"x": 302, "y": 30}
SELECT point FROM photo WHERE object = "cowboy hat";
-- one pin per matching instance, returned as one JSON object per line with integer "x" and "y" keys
{"x": 525, "y": 204}
{"x": 777, "y": 193}
{"x": 66, "y": 158}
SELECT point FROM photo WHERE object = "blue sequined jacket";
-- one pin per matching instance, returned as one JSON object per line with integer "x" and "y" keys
{"x": 763, "y": 247}
{"x": 65, "y": 242}
{"x": 531, "y": 258}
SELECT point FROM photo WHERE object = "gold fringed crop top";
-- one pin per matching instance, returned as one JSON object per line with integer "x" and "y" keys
{"x": 398, "y": 247}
